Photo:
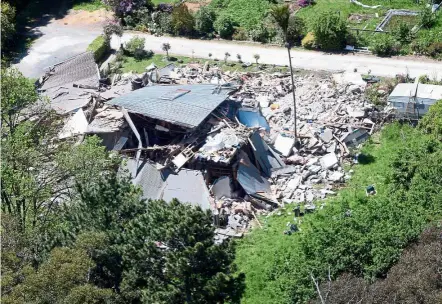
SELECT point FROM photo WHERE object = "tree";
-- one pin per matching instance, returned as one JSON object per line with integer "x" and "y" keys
{"x": 123, "y": 7}
{"x": 166, "y": 47}
{"x": 17, "y": 93}
{"x": 210, "y": 55}
{"x": 204, "y": 19}
{"x": 238, "y": 56}
{"x": 256, "y": 56}
{"x": 224, "y": 25}
{"x": 226, "y": 56}
{"x": 183, "y": 22}
{"x": 281, "y": 14}
{"x": 63, "y": 278}
{"x": 170, "y": 256}
{"x": 8, "y": 25}
{"x": 330, "y": 31}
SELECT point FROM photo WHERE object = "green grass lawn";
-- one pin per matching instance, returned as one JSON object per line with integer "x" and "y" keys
{"x": 156, "y": 2}
{"x": 88, "y": 5}
{"x": 139, "y": 66}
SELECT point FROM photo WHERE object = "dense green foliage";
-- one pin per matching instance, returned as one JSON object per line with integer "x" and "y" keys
{"x": 8, "y": 22}
{"x": 432, "y": 121}
{"x": 76, "y": 230}
{"x": 352, "y": 233}
{"x": 183, "y": 22}
{"x": 414, "y": 279}
{"x": 383, "y": 45}
{"x": 204, "y": 19}
{"x": 99, "y": 47}
{"x": 330, "y": 31}
{"x": 135, "y": 47}
{"x": 224, "y": 25}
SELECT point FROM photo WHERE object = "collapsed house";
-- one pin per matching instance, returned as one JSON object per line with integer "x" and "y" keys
{"x": 413, "y": 100}
{"x": 225, "y": 141}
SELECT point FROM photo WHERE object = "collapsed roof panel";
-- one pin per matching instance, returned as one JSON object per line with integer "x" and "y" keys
{"x": 80, "y": 70}
{"x": 185, "y": 105}
{"x": 188, "y": 186}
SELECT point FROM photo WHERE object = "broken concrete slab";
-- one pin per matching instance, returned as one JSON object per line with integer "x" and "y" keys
{"x": 284, "y": 144}
{"x": 329, "y": 160}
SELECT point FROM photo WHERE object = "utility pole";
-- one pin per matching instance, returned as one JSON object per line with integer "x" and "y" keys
{"x": 293, "y": 90}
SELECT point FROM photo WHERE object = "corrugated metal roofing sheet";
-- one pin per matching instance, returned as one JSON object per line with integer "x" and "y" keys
{"x": 80, "y": 69}
{"x": 187, "y": 110}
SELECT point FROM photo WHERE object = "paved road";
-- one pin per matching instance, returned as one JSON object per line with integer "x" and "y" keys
{"x": 308, "y": 60}
{"x": 57, "y": 43}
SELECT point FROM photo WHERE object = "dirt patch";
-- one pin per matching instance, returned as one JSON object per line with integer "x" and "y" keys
{"x": 85, "y": 18}
{"x": 195, "y": 6}
{"x": 359, "y": 18}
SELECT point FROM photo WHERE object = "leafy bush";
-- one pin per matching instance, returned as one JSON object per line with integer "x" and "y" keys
{"x": 330, "y": 31}
{"x": 99, "y": 47}
{"x": 427, "y": 18}
{"x": 309, "y": 41}
{"x": 7, "y": 20}
{"x": 224, "y": 25}
{"x": 431, "y": 123}
{"x": 183, "y": 22}
{"x": 421, "y": 45}
{"x": 260, "y": 33}
{"x": 122, "y": 8}
{"x": 164, "y": 22}
{"x": 403, "y": 33}
{"x": 414, "y": 279}
{"x": 383, "y": 45}
{"x": 435, "y": 50}
{"x": 112, "y": 27}
{"x": 135, "y": 47}
{"x": 295, "y": 30}
{"x": 240, "y": 34}
{"x": 204, "y": 19}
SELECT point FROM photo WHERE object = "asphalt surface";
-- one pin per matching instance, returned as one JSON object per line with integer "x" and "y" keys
{"x": 60, "y": 41}
{"x": 308, "y": 60}
{"x": 57, "y": 43}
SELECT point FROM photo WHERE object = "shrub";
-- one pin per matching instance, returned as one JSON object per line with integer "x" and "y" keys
{"x": 182, "y": 21}
{"x": 403, "y": 33}
{"x": 431, "y": 123}
{"x": 164, "y": 21}
{"x": 308, "y": 41}
{"x": 295, "y": 30}
{"x": 330, "y": 31}
{"x": 435, "y": 50}
{"x": 240, "y": 34}
{"x": 383, "y": 45}
{"x": 99, "y": 47}
{"x": 122, "y": 8}
{"x": 424, "y": 40}
{"x": 427, "y": 18}
{"x": 259, "y": 33}
{"x": 204, "y": 19}
{"x": 224, "y": 26}
{"x": 135, "y": 47}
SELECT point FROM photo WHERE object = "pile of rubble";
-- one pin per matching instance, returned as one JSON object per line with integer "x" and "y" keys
{"x": 332, "y": 118}
{"x": 227, "y": 141}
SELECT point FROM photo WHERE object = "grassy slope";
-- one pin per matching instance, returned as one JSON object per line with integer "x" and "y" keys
{"x": 346, "y": 8}
{"x": 130, "y": 64}
{"x": 277, "y": 266}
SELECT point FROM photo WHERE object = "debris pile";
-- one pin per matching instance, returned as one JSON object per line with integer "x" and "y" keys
{"x": 227, "y": 141}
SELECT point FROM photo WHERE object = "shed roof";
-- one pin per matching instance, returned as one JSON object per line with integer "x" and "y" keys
{"x": 429, "y": 91}
{"x": 404, "y": 90}
{"x": 184, "y": 105}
